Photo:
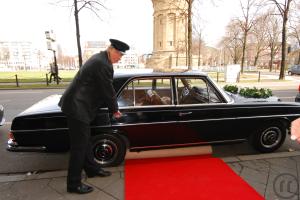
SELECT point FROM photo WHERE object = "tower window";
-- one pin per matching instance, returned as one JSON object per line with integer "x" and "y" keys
{"x": 171, "y": 43}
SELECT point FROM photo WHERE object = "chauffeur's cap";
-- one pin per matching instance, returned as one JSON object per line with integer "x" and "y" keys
{"x": 119, "y": 45}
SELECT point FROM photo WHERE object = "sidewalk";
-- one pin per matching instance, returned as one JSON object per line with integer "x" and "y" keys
{"x": 274, "y": 176}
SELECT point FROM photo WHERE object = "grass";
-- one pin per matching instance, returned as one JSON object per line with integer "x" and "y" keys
{"x": 37, "y": 79}
{"x": 33, "y": 76}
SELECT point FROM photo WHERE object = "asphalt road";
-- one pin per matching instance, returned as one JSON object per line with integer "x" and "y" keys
{"x": 15, "y": 101}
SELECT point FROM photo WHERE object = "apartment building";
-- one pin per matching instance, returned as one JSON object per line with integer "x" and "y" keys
{"x": 129, "y": 60}
{"x": 19, "y": 55}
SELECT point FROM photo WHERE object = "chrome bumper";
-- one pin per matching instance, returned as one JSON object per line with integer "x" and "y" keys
{"x": 13, "y": 146}
{"x": 2, "y": 122}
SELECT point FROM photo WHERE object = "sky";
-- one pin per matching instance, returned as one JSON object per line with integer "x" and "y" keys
{"x": 127, "y": 20}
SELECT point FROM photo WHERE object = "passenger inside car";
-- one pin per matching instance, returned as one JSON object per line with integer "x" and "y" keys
{"x": 152, "y": 98}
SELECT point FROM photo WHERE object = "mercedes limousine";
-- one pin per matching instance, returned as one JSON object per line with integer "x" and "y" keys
{"x": 161, "y": 110}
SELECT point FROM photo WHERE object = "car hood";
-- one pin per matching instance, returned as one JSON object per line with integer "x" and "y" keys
{"x": 46, "y": 105}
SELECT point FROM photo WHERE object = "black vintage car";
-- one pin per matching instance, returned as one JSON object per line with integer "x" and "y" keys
{"x": 161, "y": 110}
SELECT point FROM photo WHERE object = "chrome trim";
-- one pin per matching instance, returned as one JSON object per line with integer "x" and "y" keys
{"x": 55, "y": 129}
{"x": 36, "y": 130}
{"x": 167, "y": 122}
{"x": 12, "y": 145}
{"x": 220, "y": 119}
{"x": 173, "y": 105}
{"x": 188, "y": 144}
{"x": 2, "y": 122}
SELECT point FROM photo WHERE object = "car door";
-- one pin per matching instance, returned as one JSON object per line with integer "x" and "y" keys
{"x": 149, "y": 113}
{"x": 204, "y": 115}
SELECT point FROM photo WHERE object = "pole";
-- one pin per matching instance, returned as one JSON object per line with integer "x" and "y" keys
{"x": 55, "y": 67}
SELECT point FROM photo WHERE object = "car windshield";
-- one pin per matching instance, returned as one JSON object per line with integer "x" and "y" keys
{"x": 225, "y": 95}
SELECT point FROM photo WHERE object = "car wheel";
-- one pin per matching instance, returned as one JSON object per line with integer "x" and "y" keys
{"x": 290, "y": 73}
{"x": 108, "y": 149}
{"x": 269, "y": 138}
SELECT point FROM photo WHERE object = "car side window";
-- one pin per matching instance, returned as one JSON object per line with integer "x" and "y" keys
{"x": 146, "y": 92}
{"x": 195, "y": 91}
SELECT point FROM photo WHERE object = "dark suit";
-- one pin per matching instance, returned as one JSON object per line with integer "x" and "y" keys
{"x": 91, "y": 89}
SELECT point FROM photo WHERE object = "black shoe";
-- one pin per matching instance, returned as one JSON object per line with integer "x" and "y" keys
{"x": 101, "y": 173}
{"x": 82, "y": 189}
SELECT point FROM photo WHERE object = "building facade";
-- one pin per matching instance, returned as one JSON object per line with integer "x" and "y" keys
{"x": 129, "y": 60}
{"x": 20, "y": 55}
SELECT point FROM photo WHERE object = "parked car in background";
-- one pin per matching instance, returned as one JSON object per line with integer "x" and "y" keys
{"x": 295, "y": 69}
{"x": 2, "y": 120}
{"x": 297, "y": 98}
{"x": 161, "y": 110}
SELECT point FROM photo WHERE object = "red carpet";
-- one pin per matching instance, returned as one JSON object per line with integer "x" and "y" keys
{"x": 189, "y": 177}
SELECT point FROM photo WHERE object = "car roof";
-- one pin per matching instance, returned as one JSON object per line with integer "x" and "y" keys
{"x": 151, "y": 74}
{"x": 121, "y": 78}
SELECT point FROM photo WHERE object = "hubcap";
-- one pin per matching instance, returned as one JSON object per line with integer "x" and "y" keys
{"x": 271, "y": 137}
{"x": 105, "y": 151}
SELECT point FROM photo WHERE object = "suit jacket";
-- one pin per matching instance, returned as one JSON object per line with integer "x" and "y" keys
{"x": 91, "y": 88}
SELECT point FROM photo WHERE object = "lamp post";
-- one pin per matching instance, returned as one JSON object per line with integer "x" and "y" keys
{"x": 50, "y": 40}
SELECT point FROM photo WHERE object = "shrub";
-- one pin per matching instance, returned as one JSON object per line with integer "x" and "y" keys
{"x": 255, "y": 92}
{"x": 231, "y": 88}
{"x": 249, "y": 92}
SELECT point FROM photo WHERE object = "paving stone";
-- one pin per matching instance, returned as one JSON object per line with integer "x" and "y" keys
{"x": 52, "y": 174}
{"x": 116, "y": 189}
{"x": 5, "y": 186}
{"x": 103, "y": 182}
{"x": 60, "y": 186}
{"x": 236, "y": 167}
{"x": 254, "y": 175}
{"x": 259, "y": 187}
{"x": 32, "y": 190}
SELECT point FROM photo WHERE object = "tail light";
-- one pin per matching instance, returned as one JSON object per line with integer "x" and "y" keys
{"x": 11, "y": 136}
{"x": 299, "y": 88}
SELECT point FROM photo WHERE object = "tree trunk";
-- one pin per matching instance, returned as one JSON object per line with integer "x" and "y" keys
{"x": 199, "y": 52}
{"x": 255, "y": 60}
{"x": 190, "y": 2}
{"x": 244, "y": 51}
{"x": 77, "y": 34}
{"x": 272, "y": 58}
{"x": 283, "y": 50}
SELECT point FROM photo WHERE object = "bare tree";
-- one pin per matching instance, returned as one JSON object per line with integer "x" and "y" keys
{"x": 246, "y": 22}
{"x": 283, "y": 8}
{"x": 295, "y": 30}
{"x": 188, "y": 12}
{"x": 4, "y": 55}
{"x": 273, "y": 34}
{"x": 233, "y": 41}
{"x": 259, "y": 33}
{"x": 92, "y": 5}
{"x": 198, "y": 27}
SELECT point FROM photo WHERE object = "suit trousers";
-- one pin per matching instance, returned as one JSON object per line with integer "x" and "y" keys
{"x": 81, "y": 155}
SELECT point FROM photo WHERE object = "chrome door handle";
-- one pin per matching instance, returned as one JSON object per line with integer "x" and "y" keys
{"x": 184, "y": 113}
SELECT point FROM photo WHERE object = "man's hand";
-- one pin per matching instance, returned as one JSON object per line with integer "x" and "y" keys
{"x": 295, "y": 130}
{"x": 117, "y": 115}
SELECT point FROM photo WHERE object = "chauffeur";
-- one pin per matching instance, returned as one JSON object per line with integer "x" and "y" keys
{"x": 91, "y": 88}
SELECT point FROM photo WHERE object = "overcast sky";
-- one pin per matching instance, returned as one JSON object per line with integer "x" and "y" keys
{"x": 128, "y": 20}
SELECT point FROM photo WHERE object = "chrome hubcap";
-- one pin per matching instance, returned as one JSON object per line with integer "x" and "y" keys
{"x": 105, "y": 151}
{"x": 271, "y": 137}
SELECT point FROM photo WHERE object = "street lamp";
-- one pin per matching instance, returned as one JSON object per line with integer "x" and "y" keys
{"x": 50, "y": 40}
